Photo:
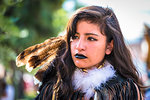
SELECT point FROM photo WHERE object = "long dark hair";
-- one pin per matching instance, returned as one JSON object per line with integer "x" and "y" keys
{"x": 120, "y": 57}
{"x": 62, "y": 68}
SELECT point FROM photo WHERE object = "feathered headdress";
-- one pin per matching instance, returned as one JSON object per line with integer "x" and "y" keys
{"x": 41, "y": 55}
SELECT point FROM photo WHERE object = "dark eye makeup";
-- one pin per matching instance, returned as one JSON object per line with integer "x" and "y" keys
{"x": 92, "y": 39}
{"x": 74, "y": 37}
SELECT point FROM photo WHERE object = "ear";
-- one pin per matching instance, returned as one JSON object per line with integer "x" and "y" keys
{"x": 109, "y": 47}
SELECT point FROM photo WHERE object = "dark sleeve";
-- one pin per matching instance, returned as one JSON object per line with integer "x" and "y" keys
{"x": 45, "y": 92}
{"x": 126, "y": 90}
{"x": 49, "y": 79}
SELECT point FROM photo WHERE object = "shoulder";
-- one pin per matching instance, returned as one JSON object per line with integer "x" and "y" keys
{"x": 49, "y": 78}
{"x": 116, "y": 80}
{"x": 119, "y": 88}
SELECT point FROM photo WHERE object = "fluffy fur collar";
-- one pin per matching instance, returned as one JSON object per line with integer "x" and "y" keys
{"x": 87, "y": 82}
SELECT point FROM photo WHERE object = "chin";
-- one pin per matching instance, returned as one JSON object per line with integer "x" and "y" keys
{"x": 81, "y": 66}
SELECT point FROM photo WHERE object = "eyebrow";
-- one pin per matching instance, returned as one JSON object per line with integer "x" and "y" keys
{"x": 89, "y": 34}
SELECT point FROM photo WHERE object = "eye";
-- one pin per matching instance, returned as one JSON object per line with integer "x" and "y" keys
{"x": 92, "y": 39}
{"x": 74, "y": 37}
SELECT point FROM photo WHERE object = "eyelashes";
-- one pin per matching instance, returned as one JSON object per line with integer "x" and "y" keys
{"x": 89, "y": 38}
{"x": 74, "y": 37}
{"x": 92, "y": 39}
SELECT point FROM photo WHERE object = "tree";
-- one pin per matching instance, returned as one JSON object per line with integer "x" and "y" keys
{"x": 24, "y": 23}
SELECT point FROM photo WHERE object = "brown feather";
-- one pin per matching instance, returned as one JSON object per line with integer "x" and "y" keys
{"x": 37, "y": 49}
{"x": 39, "y": 74}
{"x": 45, "y": 64}
{"x": 41, "y": 55}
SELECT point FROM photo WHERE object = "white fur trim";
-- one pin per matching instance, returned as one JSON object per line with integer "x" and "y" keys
{"x": 87, "y": 82}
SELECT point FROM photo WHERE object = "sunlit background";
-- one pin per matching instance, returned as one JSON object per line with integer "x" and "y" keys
{"x": 24, "y": 23}
{"x": 132, "y": 14}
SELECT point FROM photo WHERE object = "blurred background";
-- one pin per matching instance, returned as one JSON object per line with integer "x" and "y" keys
{"x": 24, "y": 23}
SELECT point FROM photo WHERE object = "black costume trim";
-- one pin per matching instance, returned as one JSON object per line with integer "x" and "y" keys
{"x": 117, "y": 88}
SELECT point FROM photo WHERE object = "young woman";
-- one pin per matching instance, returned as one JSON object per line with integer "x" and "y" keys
{"x": 92, "y": 61}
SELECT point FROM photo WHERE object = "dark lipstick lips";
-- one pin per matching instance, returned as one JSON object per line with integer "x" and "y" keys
{"x": 80, "y": 56}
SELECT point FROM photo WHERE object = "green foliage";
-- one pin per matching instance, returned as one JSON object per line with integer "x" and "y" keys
{"x": 24, "y": 23}
{"x": 7, "y": 55}
{"x": 7, "y": 28}
{"x": 59, "y": 17}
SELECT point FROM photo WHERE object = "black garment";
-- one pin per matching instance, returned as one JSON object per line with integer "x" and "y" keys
{"x": 119, "y": 89}
{"x": 116, "y": 88}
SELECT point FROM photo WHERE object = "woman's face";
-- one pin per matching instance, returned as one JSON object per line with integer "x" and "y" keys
{"x": 88, "y": 45}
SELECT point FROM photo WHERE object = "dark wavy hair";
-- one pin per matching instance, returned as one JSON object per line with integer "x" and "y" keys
{"x": 120, "y": 56}
{"x": 62, "y": 69}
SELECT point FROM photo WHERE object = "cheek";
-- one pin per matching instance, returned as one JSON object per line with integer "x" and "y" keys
{"x": 98, "y": 53}
{"x": 72, "y": 48}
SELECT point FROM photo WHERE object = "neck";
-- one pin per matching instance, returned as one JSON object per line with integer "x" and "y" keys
{"x": 93, "y": 78}
{"x": 86, "y": 69}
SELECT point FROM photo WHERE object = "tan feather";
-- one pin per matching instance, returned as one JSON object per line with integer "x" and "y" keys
{"x": 23, "y": 57}
{"x": 34, "y": 55}
{"x": 41, "y": 55}
{"x": 46, "y": 64}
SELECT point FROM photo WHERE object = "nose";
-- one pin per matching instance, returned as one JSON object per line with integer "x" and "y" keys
{"x": 81, "y": 45}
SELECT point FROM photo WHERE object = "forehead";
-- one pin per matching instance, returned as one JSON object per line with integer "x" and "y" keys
{"x": 86, "y": 26}
{"x": 89, "y": 21}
